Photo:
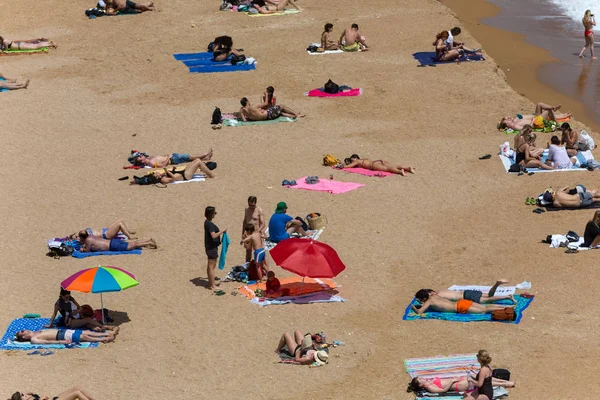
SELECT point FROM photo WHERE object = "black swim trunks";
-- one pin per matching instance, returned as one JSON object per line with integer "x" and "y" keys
{"x": 130, "y": 4}
{"x": 473, "y": 295}
{"x": 273, "y": 112}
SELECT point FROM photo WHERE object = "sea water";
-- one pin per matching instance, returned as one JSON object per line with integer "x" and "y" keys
{"x": 576, "y": 8}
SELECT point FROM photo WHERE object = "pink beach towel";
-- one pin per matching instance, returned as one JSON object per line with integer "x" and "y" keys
{"x": 327, "y": 185}
{"x": 320, "y": 93}
{"x": 367, "y": 172}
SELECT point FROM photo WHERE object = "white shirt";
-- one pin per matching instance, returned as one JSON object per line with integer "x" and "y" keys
{"x": 450, "y": 41}
{"x": 559, "y": 156}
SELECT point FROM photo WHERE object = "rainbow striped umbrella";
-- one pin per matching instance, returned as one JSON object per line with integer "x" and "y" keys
{"x": 100, "y": 280}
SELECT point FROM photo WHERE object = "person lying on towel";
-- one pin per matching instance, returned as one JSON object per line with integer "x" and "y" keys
{"x": 126, "y": 7}
{"x": 273, "y": 6}
{"x": 12, "y": 84}
{"x": 7, "y": 45}
{"x": 173, "y": 175}
{"x": 436, "y": 303}
{"x": 113, "y": 230}
{"x": 265, "y": 111}
{"x": 354, "y": 161}
{"x": 91, "y": 243}
{"x": 59, "y": 336}
{"x": 473, "y": 295}
{"x": 543, "y": 112}
{"x": 445, "y": 385}
{"x": 352, "y": 40}
{"x": 578, "y": 197}
{"x": 302, "y": 348}
{"x": 141, "y": 158}
{"x": 75, "y": 393}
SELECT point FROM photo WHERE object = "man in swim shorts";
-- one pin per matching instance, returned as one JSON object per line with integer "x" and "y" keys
{"x": 254, "y": 240}
{"x": 462, "y": 306}
{"x": 91, "y": 243}
{"x": 542, "y": 112}
{"x": 127, "y": 6}
{"x": 56, "y": 336}
{"x": 352, "y": 40}
{"x": 140, "y": 158}
{"x": 475, "y": 296}
{"x": 265, "y": 111}
{"x": 578, "y": 197}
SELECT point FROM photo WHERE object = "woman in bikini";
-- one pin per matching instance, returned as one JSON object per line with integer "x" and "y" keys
{"x": 303, "y": 351}
{"x": 588, "y": 23}
{"x": 183, "y": 175}
{"x": 110, "y": 232}
{"x": 16, "y": 45}
{"x": 526, "y": 154}
{"x": 354, "y": 161}
{"x": 441, "y": 50}
{"x": 265, "y": 7}
{"x": 444, "y": 385}
{"x": 74, "y": 393}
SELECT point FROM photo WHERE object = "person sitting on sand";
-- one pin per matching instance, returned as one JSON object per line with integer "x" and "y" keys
{"x": 91, "y": 243}
{"x": 301, "y": 348}
{"x": 484, "y": 389}
{"x": 126, "y": 6}
{"x": 455, "y": 384}
{"x": 352, "y": 40}
{"x": 474, "y": 295}
{"x": 273, "y": 284}
{"x": 112, "y": 231}
{"x": 591, "y": 236}
{"x": 354, "y": 161}
{"x": 451, "y": 44}
{"x": 140, "y": 158}
{"x": 223, "y": 48}
{"x": 327, "y": 41}
{"x": 525, "y": 152}
{"x": 570, "y": 139}
{"x": 558, "y": 158}
{"x": 588, "y": 21}
{"x": 265, "y": 112}
{"x": 441, "y": 50}
{"x": 58, "y": 336}
{"x": 578, "y": 197}
{"x": 281, "y": 225}
{"x": 437, "y": 303}
{"x": 268, "y": 96}
{"x": 520, "y": 139}
{"x": 543, "y": 112}
{"x": 75, "y": 393}
{"x": 7, "y": 45}
{"x": 12, "y": 84}
{"x": 267, "y": 7}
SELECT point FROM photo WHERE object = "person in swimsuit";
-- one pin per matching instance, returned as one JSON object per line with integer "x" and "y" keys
{"x": 442, "y": 53}
{"x": 127, "y": 6}
{"x": 444, "y": 385}
{"x": 268, "y": 96}
{"x": 113, "y": 230}
{"x": 437, "y": 303}
{"x": 75, "y": 393}
{"x": 354, "y": 161}
{"x": 483, "y": 380}
{"x": 253, "y": 215}
{"x": 588, "y": 21}
{"x": 525, "y": 152}
{"x": 270, "y": 8}
{"x": 352, "y": 40}
{"x": 520, "y": 139}
{"x": 143, "y": 159}
{"x": 12, "y": 84}
{"x": 546, "y": 111}
{"x": 569, "y": 139}
{"x": 33, "y": 44}
{"x": 265, "y": 111}
{"x": 302, "y": 348}
{"x": 91, "y": 243}
{"x": 61, "y": 336}
{"x": 474, "y": 295}
{"x": 327, "y": 42}
{"x": 184, "y": 175}
{"x": 578, "y": 197}
{"x": 256, "y": 242}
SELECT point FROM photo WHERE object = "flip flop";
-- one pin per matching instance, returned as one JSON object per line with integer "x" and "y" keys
{"x": 219, "y": 292}
{"x": 33, "y": 353}
{"x": 538, "y": 211}
{"x": 285, "y": 183}
{"x": 530, "y": 173}
{"x": 527, "y": 201}
{"x": 486, "y": 157}
{"x": 124, "y": 178}
{"x": 571, "y": 251}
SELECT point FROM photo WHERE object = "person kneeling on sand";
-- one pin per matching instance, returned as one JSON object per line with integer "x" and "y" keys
{"x": 473, "y": 295}
{"x": 578, "y": 197}
{"x": 301, "y": 347}
{"x": 91, "y": 243}
{"x": 265, "y": 112}
{"x": 352, "y": 40}
{"x": 543, "y": 112}
{"x": 139, "y": 158}
{"x": 75, "y": 393}
{"x": 12, "y": 84}
{"x": 435, "y": 302}
{"x": 354, "y": 161}
{"x": 56, "y": 336}
{"x": 127, "y": 6}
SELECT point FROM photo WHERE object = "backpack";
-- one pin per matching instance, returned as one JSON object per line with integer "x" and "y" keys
{"x": 506, "y": 314}
{"x": 500, "y": 373}
{"x": 572, "y": 236}
{"x": 216, "y": 117}
{"x": 331, "y": 161}
{"x": 237, "y": 59}
{"x": 312, "y": 48}
{"x": 516, "y": 168}
{"x": 149, "y": 179}
{"x": 331, "y": 87}
{"x": 58, "y": 250}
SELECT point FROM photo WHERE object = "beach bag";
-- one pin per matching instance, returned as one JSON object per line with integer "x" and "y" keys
{"x": 255, "y": 271}
{"x": 331, "y": 87}
{"x": 149, "y": 179}
{"x": 86, "y": 311}
{"x": 216, "y": 116}
{"x": 501, "y": 373}
{"x": 330, "y": 161}
{"x": 505, "y": 150}
{"x": 572, "y": 236}
{"x": 516, "y": 168}
{"x": 585, "y": 141}
{"x": 312, "y": 48}
{"x": 506, "y": 314}
{"x": 316, "y": 221}
{"x": 58, "y": 250}
{"x": 237, "y": 59}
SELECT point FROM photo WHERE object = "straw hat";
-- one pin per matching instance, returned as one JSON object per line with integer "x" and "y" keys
{"x": 321, "y": 357}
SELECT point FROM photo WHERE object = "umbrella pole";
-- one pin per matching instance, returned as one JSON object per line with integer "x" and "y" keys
{"x": 102, "y": 308}
{"x": 302, "y": 284}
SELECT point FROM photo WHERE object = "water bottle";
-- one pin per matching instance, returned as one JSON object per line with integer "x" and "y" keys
{"x": 323, "y": 337}
{"x": 338, "y": 343}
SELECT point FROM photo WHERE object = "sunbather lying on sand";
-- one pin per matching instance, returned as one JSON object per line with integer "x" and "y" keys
{"x": 578, "y": 197}
{"x": 56, "y": 336}
{"x": 270, "y": 7}
{"x": 113, "y": 230}
{"x": 170, "y": 176}
{"x": 437, "y": 303}
{"x": 543, "y": 110}
{"x": 265, "y": 111}
{"x": 12, "y": 84}
{"x": 302, "y": 350}
{"x": 444, "y": 385}
{"x": 127, "y": 6}
{"x": 91, "y": 243}
{"x": 34, "y": 44}
{"x": 473, "y": 295}
{"x": 140, "y": 158}
{"x": 526, "y": 153}
{"x": 352, "y": 40}
{"x": 354, "y": 161}
{"x": 75, "y": 393}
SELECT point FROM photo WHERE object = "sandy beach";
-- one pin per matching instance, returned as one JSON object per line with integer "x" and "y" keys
{"x": 113, "y": 86}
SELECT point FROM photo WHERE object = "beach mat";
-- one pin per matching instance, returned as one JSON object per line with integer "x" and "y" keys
{"x": 202, "y": 63}
{"x": 195, "y": 178}
{"x": 33, "y": 324}
{"x": 216, "y": 67}
{"x": 79, "y": 254}
{"x": 285, "y": 12}
{"x": 522, "y": 304}
{"x": 4, "y": 89}
{"x": 319, "y": 297}
{"x": 442, "y": 366}
{"x": 239, "y": 122}
{"x": 507, "y": 162}
{"x": 427, "y": 58}
{"x": 367, "y": 172}
{"x": 321, "y": 93}
{"x": 205, "y": 55}
{"x": 593, "y": 206}
{"x": 327, "y": 185}
{"x": 293, "y": 283}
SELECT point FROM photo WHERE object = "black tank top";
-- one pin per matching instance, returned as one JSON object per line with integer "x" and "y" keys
{"x": 486, "y": 388}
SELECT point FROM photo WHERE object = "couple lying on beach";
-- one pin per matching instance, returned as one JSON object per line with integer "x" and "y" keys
{"x": 140, "y": 158}
{"x": 105, "y": 239}
{"x": 350, "y": 40}
{"x": 461, "y": 302}
{"x": 200, "y": 163}
{"x": 543, "y": 112}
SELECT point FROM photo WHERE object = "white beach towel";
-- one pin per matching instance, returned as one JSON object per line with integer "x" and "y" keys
{"x": 327, "y": 51}
{"x": 500, "y": 291}
{"x": 558, "y": 239}
{"x": 507, "y": 162}
{"x": 195, "y": 178}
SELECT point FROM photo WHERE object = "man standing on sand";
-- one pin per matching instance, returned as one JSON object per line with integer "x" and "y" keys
{"x": 265, "y": 112}
{"x": 462, "y": 306}
{"x": 56, "y": 336}
{"x": 352, "y": 40}
{"x": 140, "y": 158}
{"x": 578, "y": 197}
{"x": 473, "y": 295}
{"x": 127, "y": 6}
{"x": 91, "y": 243}
{"x": 253, "y": 215}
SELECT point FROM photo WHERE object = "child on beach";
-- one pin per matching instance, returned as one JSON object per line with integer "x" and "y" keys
{"x": 255, "y": 239}
{"x": 273, "y": 284}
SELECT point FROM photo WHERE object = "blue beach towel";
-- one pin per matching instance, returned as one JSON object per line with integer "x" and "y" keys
{"x": 522, "y": 304}
{"x": 33, "y": 324}
{"x": 4, "y": 89}
{"x": 225, "y": 241}
{"x": 202, "y": 63}
{"x": 427, "y": 58}
{"x": 193, "y": 56}
{"x": 79, "y": 254}
{"x": 217, "y": 67}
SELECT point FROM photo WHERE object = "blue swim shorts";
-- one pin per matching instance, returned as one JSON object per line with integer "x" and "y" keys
{"x": 104, "y": 230}
{"x": 179, "y": 158}
{"x": 259, "y": 255}
{"x": 117, "y": 245}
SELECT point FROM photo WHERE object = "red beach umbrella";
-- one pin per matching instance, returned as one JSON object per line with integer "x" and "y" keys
{"x": 307, "y": 258}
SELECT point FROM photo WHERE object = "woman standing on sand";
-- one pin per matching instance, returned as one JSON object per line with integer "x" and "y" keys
{"x": 588, "y": 22}
{"x": 212, "y": 241}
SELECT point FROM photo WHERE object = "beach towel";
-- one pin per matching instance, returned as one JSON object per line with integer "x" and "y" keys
{"x": 293, "y": 284}
{"x": 314, "y": 235}
{"x": 195, "y": 178}
{"x": 367, "y": 172}
{"x": 14, "y": 52}
{"x": 79, "y": 254}
{"x": 507, "y": 162}
{"x": 593, "y": 206}
{"x": 558, "y": 241}
{"x": 500, "y": 290}
{"x": 33, "y": 324}
{"x": 316, "y": 53}
{"x": 4, "y": 89}
{"x": 320, "y": 93}
{"x": 287, "y": 11}
{"x": 224, "y": 246}
{"x": 522, "y": 304}
{"x": 203, "y": 63}
{"x": 327, "y": 185}
{"x": 239, "y": 122}
{"x": 208, "y": 69}
{"x": 427, "y": 58}
{"x": 320, "y": 297}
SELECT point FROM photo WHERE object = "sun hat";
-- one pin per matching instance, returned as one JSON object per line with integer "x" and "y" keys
{"x": 281, "y": 207}
{"x": 321, "y": 357}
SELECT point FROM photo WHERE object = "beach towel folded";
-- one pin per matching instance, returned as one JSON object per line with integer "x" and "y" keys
{"x": 33, "y": 324}
{"x": 367, "y": 172}
{"x": 321, "y": 93}
{"x": 427, "y": 58}
{"x": 239, "y": 122}
{"x": 79, "y": 254}
{"x": 327, "y": 185}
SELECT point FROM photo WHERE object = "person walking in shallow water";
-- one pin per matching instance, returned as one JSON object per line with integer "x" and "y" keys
{"x": 589, "y": 21}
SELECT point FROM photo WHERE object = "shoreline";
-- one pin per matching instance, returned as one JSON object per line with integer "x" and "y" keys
{"x": 520, "y": 61}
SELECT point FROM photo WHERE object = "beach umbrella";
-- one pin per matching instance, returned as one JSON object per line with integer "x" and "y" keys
{"x": 307, "y": 258}
{"x": 100, "y": 280}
